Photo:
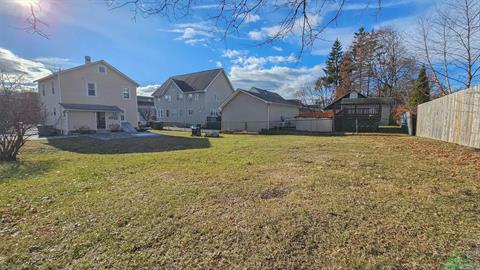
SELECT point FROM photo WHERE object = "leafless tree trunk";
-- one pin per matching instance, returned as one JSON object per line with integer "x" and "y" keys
{"x": 146, "y": 113}
{"x": 20, "y": 111}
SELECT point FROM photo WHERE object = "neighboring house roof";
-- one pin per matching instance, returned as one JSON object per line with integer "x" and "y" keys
{"x": 263, "y": 95}
{"x": 90, "y": 107}
{"x": 362, "y": 101}
{"x": 191, "y": 82}
{"x": 296, "y": 102}
{"x": 330, "y": 106}
{"x": 103, "y": 62}
{"x": 369, "y": 100}
{"x": 145, "y": 101}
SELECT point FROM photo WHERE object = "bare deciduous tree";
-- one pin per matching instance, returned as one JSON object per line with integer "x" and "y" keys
{"x": 318, "y": 93}
{"x": 450, "y": 44}
{"x": 20, "y": 112}
{"x": 394, "y": 68}
{"x": 147, "y": 114}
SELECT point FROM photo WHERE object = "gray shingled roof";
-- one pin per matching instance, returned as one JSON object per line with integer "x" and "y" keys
{"x": 191, "y": 82}
{"x": 90, "y": 107}
{"x": 269, "y": 96}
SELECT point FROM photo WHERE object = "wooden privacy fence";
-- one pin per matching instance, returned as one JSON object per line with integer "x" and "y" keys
{"x": 454, "y": 118}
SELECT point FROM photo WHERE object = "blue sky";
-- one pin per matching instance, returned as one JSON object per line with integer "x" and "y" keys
{"x": 149, "y": 50}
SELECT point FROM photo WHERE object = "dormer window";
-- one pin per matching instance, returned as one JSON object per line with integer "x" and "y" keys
{"x": 126, "y": 93}
{"x": 91, "y": 89}
{"x": 102, "y": 69}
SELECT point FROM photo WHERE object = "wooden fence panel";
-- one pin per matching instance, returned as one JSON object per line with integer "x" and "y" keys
{"x": 454, "y": 118}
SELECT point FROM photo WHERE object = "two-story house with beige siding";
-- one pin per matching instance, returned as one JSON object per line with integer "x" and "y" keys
{"x": 189, "y": 99}
{"x": 94, "y": 96}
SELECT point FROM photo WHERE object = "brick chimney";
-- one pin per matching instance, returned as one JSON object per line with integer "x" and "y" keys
{"x": 88, "y": 59}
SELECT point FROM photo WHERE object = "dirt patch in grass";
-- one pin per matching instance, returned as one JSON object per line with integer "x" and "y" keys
{"x": 272, "y": 193}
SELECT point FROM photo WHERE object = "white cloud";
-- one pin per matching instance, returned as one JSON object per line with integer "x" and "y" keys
{"x": 270, "y": 72}
{"x": 55, "y": 62}
{"x": 283, "y": 80}
{"x": 256, "y": 35}
{"x": 256, "y": 62}
{"x": 147, "y": 90}
{"x": 278, "y": 49}
{"x": 207, "y": 6}
{"x": 32, "y": 70}
{"x": 218, "y": 64}
{"x": 193, "y": 33}
{"x": 233, "y": 53}
{"x": 272, "y": 31}
{"x": 252, "y": 18}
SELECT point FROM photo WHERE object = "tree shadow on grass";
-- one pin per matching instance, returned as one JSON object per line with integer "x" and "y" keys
{"x": 88, "y": 145}
{"x": 23, "y": 169}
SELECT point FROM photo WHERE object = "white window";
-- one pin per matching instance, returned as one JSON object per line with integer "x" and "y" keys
{"x": 167, "y": 113}
{"x": 122, "y": 115}
{"x": 179, "y": 96}
{"x": 126, "y": 93}
{"x": 168, "y": 98}
{"x": 91, "y": 89}
{"x": 102, "y": 69}
{"x": 214, "y": 112}
{"x": 160, "y": 114}
{"x": 53, "y": 89}
{"x": 196, "y": 96}
{"x": 190, "y": 96}
{"x": 190, "y": 112}
{"x": 159, "y": 98}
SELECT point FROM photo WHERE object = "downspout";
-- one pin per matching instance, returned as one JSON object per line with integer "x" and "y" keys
{"x": 268, "y": 116}
{"x": 60, "y": 94}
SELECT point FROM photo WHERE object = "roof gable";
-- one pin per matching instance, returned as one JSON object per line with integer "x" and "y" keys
{"x": 347, "y": 95}
{"x": 103, "y": 62}
{"x": 191, "y": 82}
{"x": 263, "y": 95}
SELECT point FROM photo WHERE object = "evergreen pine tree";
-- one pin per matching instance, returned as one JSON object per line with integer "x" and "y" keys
{"x": 421, "y": 90}
{"x": 332, "y": 69}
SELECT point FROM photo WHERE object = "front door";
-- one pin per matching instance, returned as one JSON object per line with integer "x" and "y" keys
{"x": 101, "y": 124}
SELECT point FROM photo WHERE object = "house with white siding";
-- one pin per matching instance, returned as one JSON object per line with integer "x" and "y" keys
{"x": 94, "y": 96}
{"x": 188, "y": 99}
{"x": 256, "y": 109}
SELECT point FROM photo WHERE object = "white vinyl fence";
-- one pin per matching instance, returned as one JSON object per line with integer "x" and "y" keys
{"x": 454, "y": 118}
{"x": 314, "y": 124}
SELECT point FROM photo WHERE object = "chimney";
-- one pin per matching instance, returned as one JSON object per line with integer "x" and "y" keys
{"x": 88, "y": 59}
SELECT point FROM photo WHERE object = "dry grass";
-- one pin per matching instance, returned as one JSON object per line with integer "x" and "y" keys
{"x": 242, "y": 201}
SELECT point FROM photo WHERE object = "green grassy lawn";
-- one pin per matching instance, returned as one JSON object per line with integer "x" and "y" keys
{"x": 241, "y": 201}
